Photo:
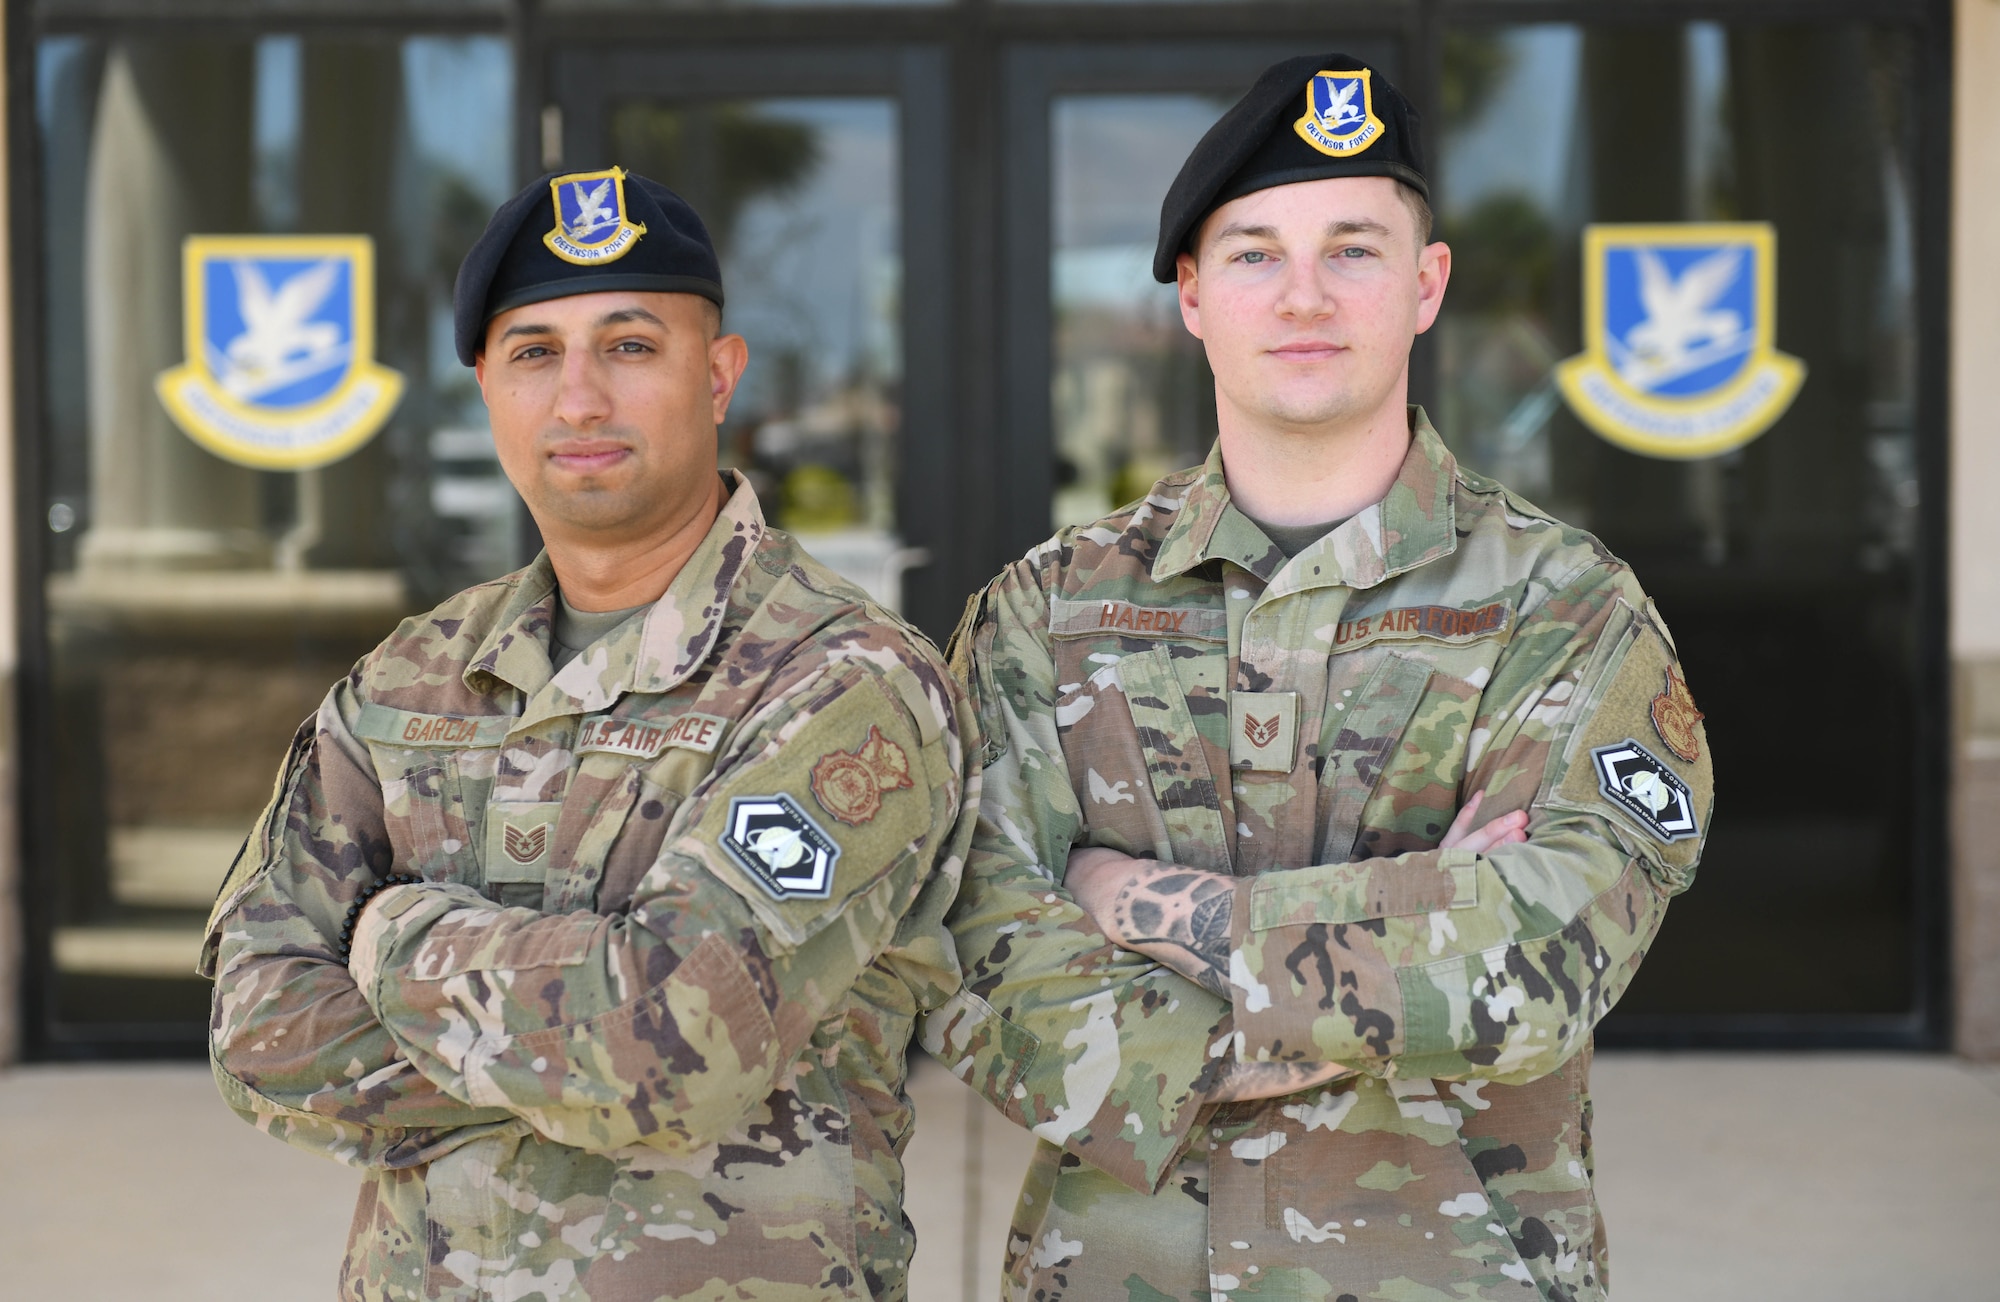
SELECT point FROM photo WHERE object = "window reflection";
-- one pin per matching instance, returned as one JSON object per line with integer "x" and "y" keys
{"x": 1132, "y": 394}
{"x": 198, "y": 609}
{"x": 1785, "y": 562}
{"x": 801, "y": 198}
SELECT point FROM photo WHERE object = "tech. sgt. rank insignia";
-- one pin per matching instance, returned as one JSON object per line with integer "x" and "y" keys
{"x": 778, "y": 844}
{"x": 590, "y": 218}
{"x": 850, "y": 784}
{"x": 1641, "y": 784}
{"x": 1340, "y": 116}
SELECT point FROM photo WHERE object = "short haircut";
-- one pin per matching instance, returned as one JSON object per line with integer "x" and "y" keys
{"x": 1420, "y": 209}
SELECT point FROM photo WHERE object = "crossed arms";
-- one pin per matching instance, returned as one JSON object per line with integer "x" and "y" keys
{"x": 1181, "y": 917}
{"x": 1104, "y": 1023}
{"x": 663, "y": 1023}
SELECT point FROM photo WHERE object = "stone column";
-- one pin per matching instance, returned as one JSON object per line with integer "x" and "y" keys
{"x": 170, "y": 158}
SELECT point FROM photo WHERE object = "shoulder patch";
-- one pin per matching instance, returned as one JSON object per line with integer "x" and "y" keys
{"x": 1674, "y": 717}
{"x": 778, "y": 843}
{"x": 849, "y": 784}
{"x": 1641, "y": 784}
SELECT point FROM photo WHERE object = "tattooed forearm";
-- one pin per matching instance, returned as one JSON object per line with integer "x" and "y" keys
{"x": 1181, "y": 917}
{"x": 1270, "y": 1080}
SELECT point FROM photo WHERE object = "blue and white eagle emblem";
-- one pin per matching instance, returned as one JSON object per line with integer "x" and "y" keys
{"x": 1340, "y": 114}
{"x": 1680, "y": 354}
{"x": 280, "y": 336}
{"x": 591, "y": 225}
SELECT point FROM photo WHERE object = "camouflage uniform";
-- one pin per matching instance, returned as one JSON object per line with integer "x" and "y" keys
{"x": 1165, "y": 683}
{"x": 599, "y": 1053}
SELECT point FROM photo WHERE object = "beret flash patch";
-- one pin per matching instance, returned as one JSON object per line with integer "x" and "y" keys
{"x": 849, "y": 784}
{"x": 591, "y": 225}
{"x": 1340, "y": 114}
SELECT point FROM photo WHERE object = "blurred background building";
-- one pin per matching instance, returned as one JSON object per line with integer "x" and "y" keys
{"x": 935, "y": 218}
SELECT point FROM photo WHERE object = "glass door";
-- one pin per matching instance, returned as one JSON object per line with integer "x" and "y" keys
{"x": 801, "y": 168}
{"x": 1793, "y": 568}
{"x": 198, "y": 598}
{"x": 1797, "y": 570}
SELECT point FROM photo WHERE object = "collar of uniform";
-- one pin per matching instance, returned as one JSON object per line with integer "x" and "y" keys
{"x": 1411, "y": 526}
{"x": 653, "y": 654}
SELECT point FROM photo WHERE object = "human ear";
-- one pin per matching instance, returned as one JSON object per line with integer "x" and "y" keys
{"x": 1433, "y": 273}
{"x": 1187, "y": 287}
{"x": 727, "y": 356}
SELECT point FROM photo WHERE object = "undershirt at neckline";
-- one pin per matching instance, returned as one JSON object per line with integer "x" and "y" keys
{"x": 577, "y": 629}
{"x": 1291, "y": 539}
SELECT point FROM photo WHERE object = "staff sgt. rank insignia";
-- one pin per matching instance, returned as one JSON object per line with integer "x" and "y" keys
{"x": 850, "y": 784}
{"x": 1263, "y": 730}
{"x": 777, "y": 843}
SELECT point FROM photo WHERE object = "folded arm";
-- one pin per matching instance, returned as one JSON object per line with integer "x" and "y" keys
{"x": 1098, "y": 1049}
{"x": 667, "y": 1022}
{"x": 295, "y": 1049}
{"x": 1182, "y": 916}
{"x": 1494, "y": 957}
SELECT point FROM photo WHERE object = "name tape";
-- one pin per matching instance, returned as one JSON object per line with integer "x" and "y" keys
{"x": 379, "y": 723}
{"x": 1123, "y": 619}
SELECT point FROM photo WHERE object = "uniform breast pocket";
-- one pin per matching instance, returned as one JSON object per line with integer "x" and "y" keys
{"x": 1397, "y": 754}
{"x": 1144, "y": 772}
{"x": 637, "y": 843}
{"x": 423, "y": 806}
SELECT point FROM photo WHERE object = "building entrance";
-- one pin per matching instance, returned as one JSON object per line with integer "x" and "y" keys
{"x": 936, "y": 221}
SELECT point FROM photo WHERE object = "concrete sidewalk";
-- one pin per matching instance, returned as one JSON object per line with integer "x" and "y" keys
{"x": 1759, "y": 1178}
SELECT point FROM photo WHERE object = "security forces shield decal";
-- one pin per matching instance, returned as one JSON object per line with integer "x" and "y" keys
{"x": 590, "y": 218}
{"x": 1680, "y": 352}
{"x": 1642, "y": 785}
{"x": 1340, "y": 116}
{"x": 778, "y": 844}
{"x": 280, "y": 336}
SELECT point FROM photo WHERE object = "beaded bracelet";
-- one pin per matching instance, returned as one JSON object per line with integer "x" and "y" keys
{"x": 368, "y": 893}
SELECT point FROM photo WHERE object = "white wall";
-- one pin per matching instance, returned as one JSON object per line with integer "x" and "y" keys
{"x": 1975, "y": 526}
{"x": 1975, "y": 335}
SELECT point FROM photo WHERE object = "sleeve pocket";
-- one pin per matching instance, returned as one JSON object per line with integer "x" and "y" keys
{"x": 980, "y": 1047}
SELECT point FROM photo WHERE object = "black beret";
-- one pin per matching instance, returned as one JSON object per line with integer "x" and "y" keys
{"x": 617, "y": 231}
{"x": 1306, "y": 119}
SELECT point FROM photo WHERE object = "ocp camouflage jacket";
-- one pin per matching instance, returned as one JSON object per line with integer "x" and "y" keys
{"x": 1166, "y": 683}
{"x": 641, "y": 1033}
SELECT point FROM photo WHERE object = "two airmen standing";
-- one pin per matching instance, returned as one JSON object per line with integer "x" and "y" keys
{"x": 1292, "y": 827}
